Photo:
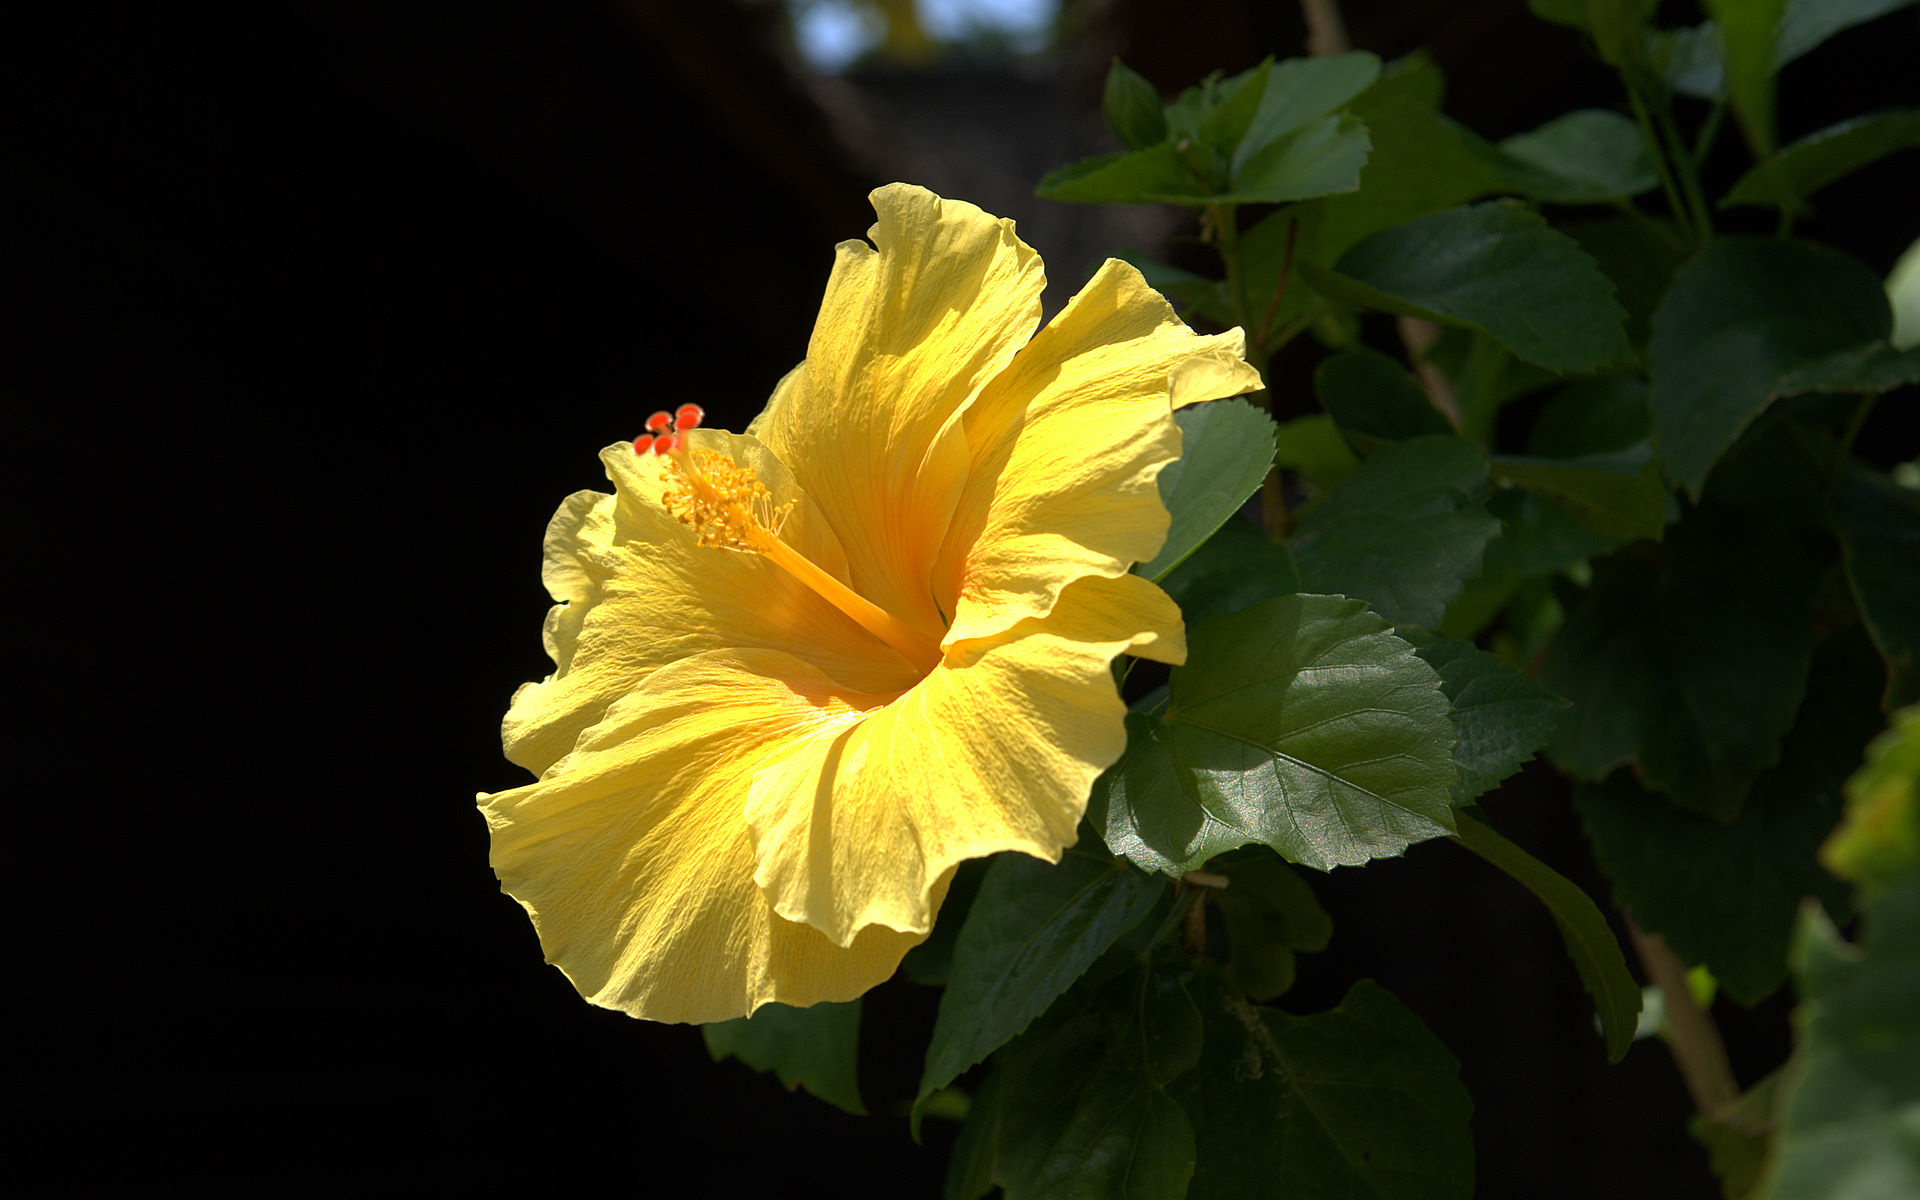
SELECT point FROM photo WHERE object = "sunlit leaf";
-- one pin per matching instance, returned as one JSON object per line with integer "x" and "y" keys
{"x": 1226, "y": 449}
{"x": 1317, "y": 160}
{"x": 1878, "y": 843}
{"x": 1298, "y": 91}
{"x": 1132, "y": 108}
{"x": 1851, "y": 1129}
{"x": 1302, "y": 724}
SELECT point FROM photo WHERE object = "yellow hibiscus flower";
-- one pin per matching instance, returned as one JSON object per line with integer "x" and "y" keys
{"x": 803, "y": 672}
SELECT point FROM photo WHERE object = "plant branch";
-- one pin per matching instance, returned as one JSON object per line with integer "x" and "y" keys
{"x": 1682, "y": 215}
{"x": 1683, "y": 166}
{"x": 1692, "y": 1036}
{"x": 1326, "y": 30}
{"x": 1854, "y": 424}
{"x": 1418, "y": 334}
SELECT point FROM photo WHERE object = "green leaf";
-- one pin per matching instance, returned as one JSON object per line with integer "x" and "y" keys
{"x": 1589, "y": 156}
{"x": 1593, "y": 416}
{"x": 1775, "y": 471}
{"x": 1538, "y": 539}
{"x": 1732, "y": 908}
{"x": 1833, "y": 153}
{"x": 1270, "y": 913}
{"x": 1618, "y": 495}
{"x": 1696, "y": 63}
{"x": 1403, "y": 532}
{"x": 1132, "y": 108}
{"x": 1084, "y": 1103}
{"x": 1852, "y": 1124}
{"x": 1228, "y": 107}
{"x": 1579, "y": 13}
{"x": 814, "y": 1048}
{"x": 971, "y": 1169}
{"x": 1737, "y": 1139}
{"x": 1313, "y": 448}
{"x": 1226, "y": 448}
{"x": 1690, "y": 60}
{"x": 1302, "y": 724}
{"x": 1537, "y": 542}
{"x": 1879, "y": 526}
{"x": 1323, "y": 158}
{"x": 1500, "y": 716}
{"x": 1152, "y": 176}
{"x": 1739, "y": 320}
{"x": 1374, "y": 397}
{"x": 1808, "y": 23}
{"x": 1903, "y": 292}
{"x": 1361, "y": 1101}
{"x": 1485, "y": 378}
{"x": 1298, "y": 92}
{"x": 932, "y": 960}
{"x": 1615, "y": 25}
{"x": 1858, "y": 370}
{"x": 1640, "y": 255}
{"x": 1747, "y": 31}
{"x": 1034, "y": 928}
{"x": 1664, "y": 672}
{"x": 1235, "y": 568}
{"x": 1189, "y": 292}
{"x": 1422, "y": 161}
{"x": 1496, "y": 267}
{"x": 1268, "y": 252}
{"x": 1589, "y": 941}
{"x": 1878, "y": 842}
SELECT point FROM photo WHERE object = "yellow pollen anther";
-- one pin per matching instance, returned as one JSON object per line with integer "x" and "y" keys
{"x": 730, "y": 509}
{"x": 727, "y": 505}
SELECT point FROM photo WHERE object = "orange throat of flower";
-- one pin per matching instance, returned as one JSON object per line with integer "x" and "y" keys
{"x": 730, "y": 509}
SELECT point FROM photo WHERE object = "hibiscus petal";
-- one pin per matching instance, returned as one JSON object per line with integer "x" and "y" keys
{"x": 638, "y": 592}
{"x": 909, "y": 331}
{"x": 635, "y": 862}
{"x": 995, "y": 750}
{"x": 1067, "y": 444}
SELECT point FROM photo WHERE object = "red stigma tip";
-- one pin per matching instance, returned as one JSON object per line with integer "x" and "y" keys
{"x": 688, "y": 416}
{"x": 643, "y": 443}
{"x": 658, "y": 422}
{"x": 665, "y": 444}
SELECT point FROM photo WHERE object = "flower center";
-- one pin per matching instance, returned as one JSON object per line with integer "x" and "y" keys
{"x": 730, "y": 509}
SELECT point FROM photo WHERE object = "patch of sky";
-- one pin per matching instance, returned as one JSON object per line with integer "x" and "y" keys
{"x": 833, "y": 34}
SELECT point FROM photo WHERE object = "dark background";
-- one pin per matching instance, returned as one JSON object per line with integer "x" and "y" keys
{"x": 310, "y": 320}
